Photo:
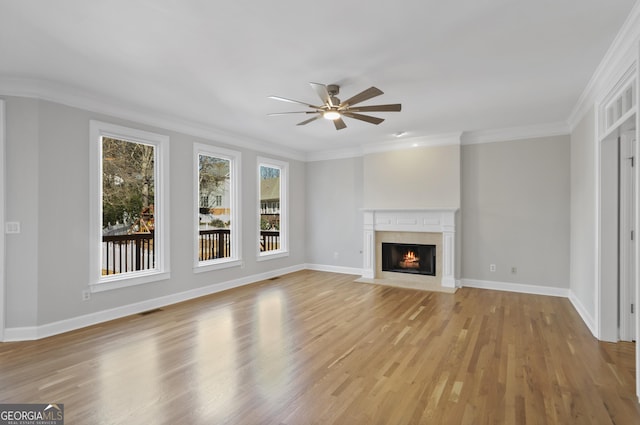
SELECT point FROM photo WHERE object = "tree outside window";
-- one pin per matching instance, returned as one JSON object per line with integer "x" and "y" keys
{"x": 217, "y": 238}
{"x": 128, "y": 200}
{"x": 214, "y": 218}
{"x": 128, "y": 215}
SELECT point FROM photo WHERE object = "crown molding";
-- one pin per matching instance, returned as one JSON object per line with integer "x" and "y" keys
{"x": 71, "y": 96}
{"x": 464, "y": 138}
{"x": 387, "y": 146}
{"x": 620, "y": 56}
{"x": 515, "y": 133}
{"x": 413, "y": 142}
{"x": 334, "y": 154}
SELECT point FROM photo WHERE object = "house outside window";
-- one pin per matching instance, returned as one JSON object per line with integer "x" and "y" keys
{"x": 217, "y": 233}
{"x": 272, "y": 213}
{"x": 128, "y": 214}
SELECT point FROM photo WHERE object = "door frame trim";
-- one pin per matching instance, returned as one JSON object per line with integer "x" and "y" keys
{"x": 3, "y": 169}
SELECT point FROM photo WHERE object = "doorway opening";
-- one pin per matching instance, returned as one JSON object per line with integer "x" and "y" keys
{"x": 618, "y": 164}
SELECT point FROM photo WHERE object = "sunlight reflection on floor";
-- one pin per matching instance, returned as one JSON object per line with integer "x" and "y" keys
{"x": 271, "y": 366}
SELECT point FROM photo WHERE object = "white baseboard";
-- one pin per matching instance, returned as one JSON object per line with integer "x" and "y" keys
{"x": 584, "y": 314}
{"x": 55, "y": 328}
{"x": 334, "y": 269}
{"x": 21, "y": 334}
{"x": 50, "y": 329}
{"x": 517, "y": 287}
{"x": 537, "y": 290}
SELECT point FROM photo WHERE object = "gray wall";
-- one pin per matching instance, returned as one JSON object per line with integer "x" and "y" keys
{"x": 337, "y": 190}
{"x": 47, "y": 157}
{"x": 515, "y": 211}
{"x": 334, "y": 212}
{"x": 22, "y": 204}
{"x": 509, "y": 193}
{"x": 426, "y": 177}
{"x": 583, "y": 209}
{"x": 515, "y": 205}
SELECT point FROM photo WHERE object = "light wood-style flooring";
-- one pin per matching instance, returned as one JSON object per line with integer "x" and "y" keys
{"x": 318, "y": 348}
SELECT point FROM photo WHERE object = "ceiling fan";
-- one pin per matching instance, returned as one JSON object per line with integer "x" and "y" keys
{"x": 333, "y": 109}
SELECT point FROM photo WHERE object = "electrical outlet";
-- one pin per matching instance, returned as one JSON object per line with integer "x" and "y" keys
{"x": 492, "y": 267}
{"x": 86, "y": 295}
{"x": 514, "y": 270}
{"x": 336, "y": 255}
{"x": 12, "y": 227}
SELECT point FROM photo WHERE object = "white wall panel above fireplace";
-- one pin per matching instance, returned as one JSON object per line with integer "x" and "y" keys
{"x": 423, "y": 177}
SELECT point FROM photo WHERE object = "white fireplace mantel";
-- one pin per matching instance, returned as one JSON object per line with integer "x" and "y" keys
{"x": 432, "y": 220}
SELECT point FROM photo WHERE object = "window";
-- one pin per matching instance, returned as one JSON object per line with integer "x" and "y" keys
{"x": 217, "y": 235}
{"x": 128, "y": 213}
{"x": 272, "y": 213}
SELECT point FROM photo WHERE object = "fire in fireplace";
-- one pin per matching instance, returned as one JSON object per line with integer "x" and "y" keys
{"x": 409, "y": 258}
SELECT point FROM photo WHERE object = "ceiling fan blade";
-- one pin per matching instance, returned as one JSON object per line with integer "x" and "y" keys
{"x": 309, "y": 120}
{"x": 339, "y": 123}
{"x": 295, "y": 112}
{"x": 284, "y": 99}
{"x": 322, "y": 91}
{"x": 396, "y": 107}
{"x": 367, "y": 118}
{"x": 362, "y": 96}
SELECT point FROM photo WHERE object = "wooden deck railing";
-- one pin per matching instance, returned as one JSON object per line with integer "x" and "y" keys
{"x": 128, "y": 253}
{"x": 269, "y": 240}
{"x": 214, "y": 244}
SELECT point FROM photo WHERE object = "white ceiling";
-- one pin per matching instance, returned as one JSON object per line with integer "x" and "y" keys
{"x": 455, "y": 66}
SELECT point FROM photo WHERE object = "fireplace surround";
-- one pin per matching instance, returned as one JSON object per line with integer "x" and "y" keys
{"x": 408, "y": 226}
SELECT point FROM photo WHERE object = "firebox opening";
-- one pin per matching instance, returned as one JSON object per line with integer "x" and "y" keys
{"x": 409, "y": 258}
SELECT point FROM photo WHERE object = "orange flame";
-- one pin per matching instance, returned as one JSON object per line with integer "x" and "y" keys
{"x": 410, "y": 256}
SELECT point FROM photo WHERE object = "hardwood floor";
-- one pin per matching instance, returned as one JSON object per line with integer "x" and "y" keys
{"x": 317, "y": 348}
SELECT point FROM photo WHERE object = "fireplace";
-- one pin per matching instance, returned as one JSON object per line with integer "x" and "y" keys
{"x": 409, "y": 258}
{"x": 424, "y": 227}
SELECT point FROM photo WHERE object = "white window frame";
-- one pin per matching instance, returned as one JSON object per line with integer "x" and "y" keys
{"x": 234, "y": 158}
{"x": 284, "y": 209}
{"x": 97, "y": 282}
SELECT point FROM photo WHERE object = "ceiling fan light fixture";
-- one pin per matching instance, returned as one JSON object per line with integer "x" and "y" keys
{"x": 331, "y": 115}
{"x": 332, "y": 109}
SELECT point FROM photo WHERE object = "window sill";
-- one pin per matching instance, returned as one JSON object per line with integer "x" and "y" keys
{"x": 272, "y": 255}
{"x": 127, "y": 280}
{"x": 207, "y": 266}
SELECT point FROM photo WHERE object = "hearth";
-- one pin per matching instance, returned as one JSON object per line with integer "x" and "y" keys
{"x": 409, "y": 258}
